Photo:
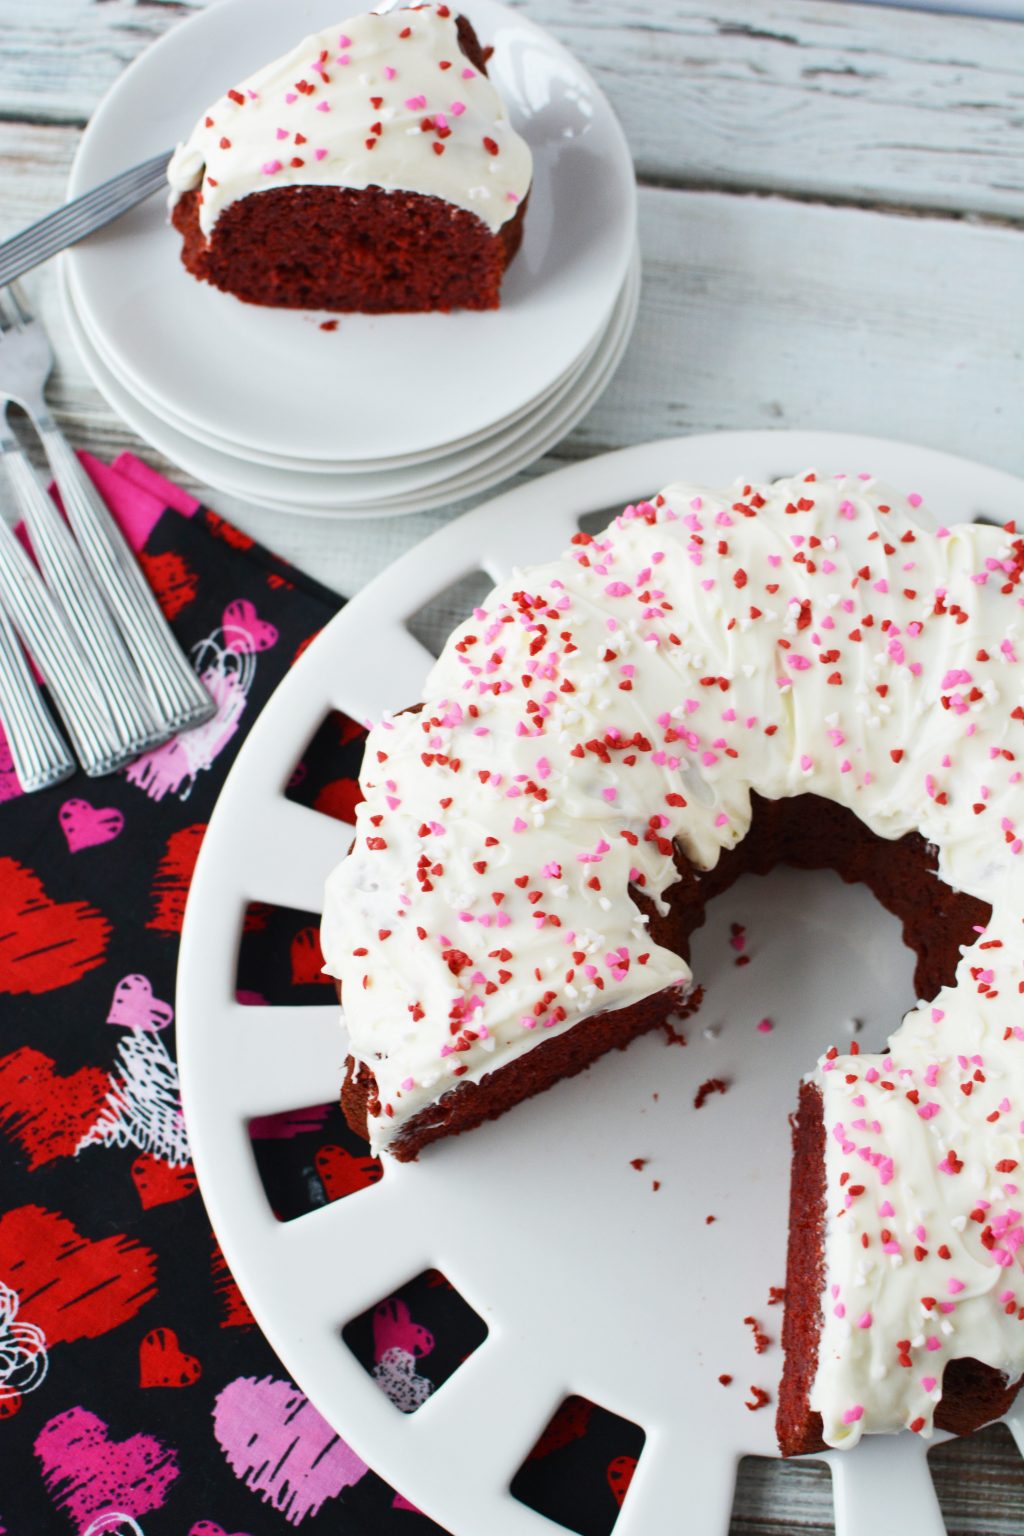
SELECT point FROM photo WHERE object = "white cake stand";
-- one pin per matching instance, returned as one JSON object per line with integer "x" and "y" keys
{"x": 588, "y": 1280}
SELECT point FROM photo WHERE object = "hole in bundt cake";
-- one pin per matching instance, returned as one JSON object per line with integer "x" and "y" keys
{"x": 308, "y": 1157}
{"x": 279, "y": 959}
{"x": 432, "y": 624}
{"x": 326, "y": 777}
{"x": 414, "y": 1340}
{"x": 579, "y": 1471}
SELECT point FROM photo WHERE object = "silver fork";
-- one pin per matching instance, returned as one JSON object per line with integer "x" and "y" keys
{"x": 48, "y": 638}
{"x": 120, "y": 695}
{"x": 177, "y": 699}
{"x": 71, "y": 223}
{"x": 38, "y": 750}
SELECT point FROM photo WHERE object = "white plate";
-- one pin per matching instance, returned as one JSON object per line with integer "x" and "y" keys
{"x": 587, "y": 1280}
{"x": 387, "y": 493}
{"x": 358, "y": 481}
{"x": 380, "y": 385}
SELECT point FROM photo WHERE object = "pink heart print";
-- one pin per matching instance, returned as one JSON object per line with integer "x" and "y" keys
{"x": 133, "y": 1005}
{"x": 244, "y": 630}
{"x": 86, "y": 826}
{"x": 393, "y": 1328}
{"x": 88, "y": 1474}
{"x": 210, "y": 1528}
{"x": 281, "y": 1447}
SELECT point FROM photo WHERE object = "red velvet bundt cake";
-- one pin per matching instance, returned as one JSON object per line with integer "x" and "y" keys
{"x": 797, "y": 672}
{"x": 371, "y": 168}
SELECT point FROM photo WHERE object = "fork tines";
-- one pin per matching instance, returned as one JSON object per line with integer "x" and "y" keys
{"x": 38, "y": 751}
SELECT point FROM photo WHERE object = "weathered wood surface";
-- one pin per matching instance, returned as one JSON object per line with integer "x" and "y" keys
{"x": 757, "y": 310}
{"x": 807, "y": 97}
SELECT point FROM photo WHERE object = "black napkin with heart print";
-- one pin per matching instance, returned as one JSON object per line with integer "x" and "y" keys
{"x": 137, "y": 1394}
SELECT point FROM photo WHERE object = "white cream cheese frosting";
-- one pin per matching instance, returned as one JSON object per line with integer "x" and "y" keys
{"x": 804, "y": 636}
{"x": 388, "y": 101}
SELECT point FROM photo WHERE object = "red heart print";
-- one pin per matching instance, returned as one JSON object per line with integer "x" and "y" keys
{"x": 620, "y": 1475}
{"x": 222, "y": 529}
{"x": 87, "y": 826}
{"x": 70, "y": 1286}
{"x": 88, "y": 1473}
{"x": 568, "y": 1424}
{"x": 244, "y": 630}
{"x": 235, "y": 1312}
{"x": 342, "y": 1174}
{"x": 10, "y": 1402}
{"x": 339, "y": 799}
{"x": 46, "y": 1112}
{"x": 134, "y": 1007}
{"x": 157, "y": 1183}
{"x": 173, "y": 878}
{"x": 44, "y": 944}
{"x": 307, "y": 959}
{"x": 163, "y": 1362}
{"x": 173, "y": 580}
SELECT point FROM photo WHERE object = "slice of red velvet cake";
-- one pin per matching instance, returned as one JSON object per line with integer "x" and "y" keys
{"x": 372, "y": 168}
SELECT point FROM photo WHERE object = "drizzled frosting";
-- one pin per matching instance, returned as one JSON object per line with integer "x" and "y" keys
{"x": 388, "y": 101}
{"x": 805, "y": 636}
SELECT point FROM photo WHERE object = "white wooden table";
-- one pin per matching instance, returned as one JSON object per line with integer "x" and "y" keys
{"x": 832, "y": 224}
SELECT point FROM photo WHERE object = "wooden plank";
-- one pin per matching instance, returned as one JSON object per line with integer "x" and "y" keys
{"x": 836, "y": 101}
{"x": 755, "y": 312}
{"x": 807, "y": 97}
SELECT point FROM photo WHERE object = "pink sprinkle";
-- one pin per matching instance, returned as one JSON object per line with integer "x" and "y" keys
{"x": 519, "y": 825}
{"x": 320, "y": 154}
{"x": 610, "y": 795}
{"x": 954, "y": 1287}
{"x": 765, "y": 1026}
{"x": 290, "y": 96}
{"x": 853, "y": 1414}
{"x": 323, "y": 106}
{"x": 270, "y": 167}
{"x": 343, "y": 58}
{"x": 457, "y": 108}
{"x": 344, "y": 41}
{"x": 928, "y": 1382}
{"x": 469, "y": 74}
{"x": 408, "y": 1082}
{"x": 281, "y": 133}
{"x": 865, "y": 1320}
{"x": 389, "y": 72}
{"x": 913, "y": 499}
{"x": 416, "y": 103}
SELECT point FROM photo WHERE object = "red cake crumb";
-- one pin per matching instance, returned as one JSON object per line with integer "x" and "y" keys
{"x": 706, "y": 1089}
{"x": 639, "y": 1162}
{"x": 655, "y": 1185}
{"x": 709, "y": 1219}
{"x": 328, "y": 325}
{"x": 725, "y": 1379}
{"x": 776, "y": 1295}
{"x": 761, "y": 1399}
{"x": 761, "y": 1339}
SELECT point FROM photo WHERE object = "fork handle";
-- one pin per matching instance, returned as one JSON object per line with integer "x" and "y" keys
{"x": 178, "y": 699}
{"x": 74, "y": 586}
{"x": 38, "y": 751}
{"x": 54, "y": 648}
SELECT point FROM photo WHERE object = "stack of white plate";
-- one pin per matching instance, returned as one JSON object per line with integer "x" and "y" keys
{"x": 358, "y": 414}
